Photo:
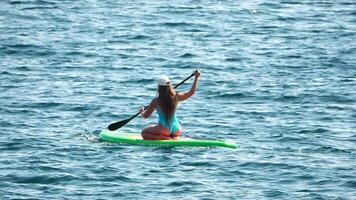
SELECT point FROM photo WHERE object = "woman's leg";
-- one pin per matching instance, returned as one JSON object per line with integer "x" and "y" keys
{"x": 176, "y": 134}
{"x": 155, "y": 132}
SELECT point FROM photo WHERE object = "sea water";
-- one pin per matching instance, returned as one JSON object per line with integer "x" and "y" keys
{"x": 278, "y": 77}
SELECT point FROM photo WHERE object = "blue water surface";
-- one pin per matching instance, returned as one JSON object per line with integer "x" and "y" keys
{"x": 278, "y": 77}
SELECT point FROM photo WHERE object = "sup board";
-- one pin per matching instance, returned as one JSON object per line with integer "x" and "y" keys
{"x": 136, "y": 139}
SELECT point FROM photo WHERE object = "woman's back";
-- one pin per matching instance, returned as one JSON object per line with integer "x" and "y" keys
{"x": 172, "y": 124}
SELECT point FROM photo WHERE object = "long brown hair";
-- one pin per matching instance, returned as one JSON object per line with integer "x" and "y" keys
{"x": 167, "y": 101}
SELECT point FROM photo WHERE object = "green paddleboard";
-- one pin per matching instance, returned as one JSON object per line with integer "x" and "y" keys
{"x": 136, "y": 139}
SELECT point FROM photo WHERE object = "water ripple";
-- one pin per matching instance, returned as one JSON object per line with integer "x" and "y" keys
{"x": 278, "y": 78}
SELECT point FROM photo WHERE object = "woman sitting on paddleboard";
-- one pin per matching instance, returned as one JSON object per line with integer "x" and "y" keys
{"x": 166, "y": 103}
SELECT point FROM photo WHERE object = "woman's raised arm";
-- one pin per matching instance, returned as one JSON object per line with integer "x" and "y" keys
{"x": 187, "y": 94}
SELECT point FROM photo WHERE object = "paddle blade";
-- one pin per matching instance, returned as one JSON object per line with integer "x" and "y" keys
{"x": 117, "y": 125}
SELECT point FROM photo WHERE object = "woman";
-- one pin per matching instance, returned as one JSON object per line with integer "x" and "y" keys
{"x": 166, "y": 103}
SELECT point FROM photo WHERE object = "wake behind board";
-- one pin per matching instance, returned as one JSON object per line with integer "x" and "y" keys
{"x": 136, "y": 139}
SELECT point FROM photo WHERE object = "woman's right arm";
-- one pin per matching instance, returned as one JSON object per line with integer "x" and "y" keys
{"x": 149, "y": 110}
{"x": 187, "y": 94}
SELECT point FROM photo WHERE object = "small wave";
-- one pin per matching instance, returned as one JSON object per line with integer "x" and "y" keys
{"x": 183, "y": 183}
{"x": 5, "y": 73}
{"x": 337, "y": 99}
{"x": 292, "y": 56}
{"x": 274, "y": 193}
{"x": 318, "y": 150}
{"x": 74, "y": 53}
{"x": 351, "y": 184}
{"x": 163, "y": 158}
{"x": 44, "y": 105}
{"x": 40, "y": 8}
{"x": 175, "y": 24}
{"x": 337, "y": 107}
{"x": 290, "y": 2}
{"x": 271, "y": 5}
{"x": 304, "y": 177}
{"x": 158, "y": 59}
{"x": 23, "y": 69}
{"x": 78, "y": 108}
{"x": 353, "y": 115}
{"x": 39, "y": 179}
{"x": 141, "y": 81}
{"x": 88, "y": 136}
{"x": 325, "y": 150}
{"x": 233, "y": 59}
{"x": 266, "y": 27}
{"x": 287, "y": 19}
{"x": 192, "y": 7}
{"x": 36, "y": 2}
{"x": 348, "y": 80}
{"x": 11, "y": 146}
{"x": 287, "y": 149}
{"x": 269, "y": 165}
{"x": 290, "y": 139}
{"x": 187, "y": 55}
{"x": 288, "y": 98}
{"x": 91, "y": 55}
{"x": 198, "y": 164}
{"x": 140, "y": 37}
{"x": 22, "y": 46}
{"x": 190, "y": 26}
{"x": 196, "y": 30}
{"x": 27, "y": 112}
{"x": 178, "y": 9}
{"x": 237, "y": 95}
{"x": 16, "y": 2}
{"x": 317, "y": 130}
{"x": 28, "y": 49}
{"x": 116, "y": 178}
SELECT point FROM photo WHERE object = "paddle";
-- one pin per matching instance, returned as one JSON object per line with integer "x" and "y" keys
{"x": 119, "y": 124}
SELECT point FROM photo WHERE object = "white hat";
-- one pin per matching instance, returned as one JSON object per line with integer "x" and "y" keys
{"x": 164, "y": 81}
